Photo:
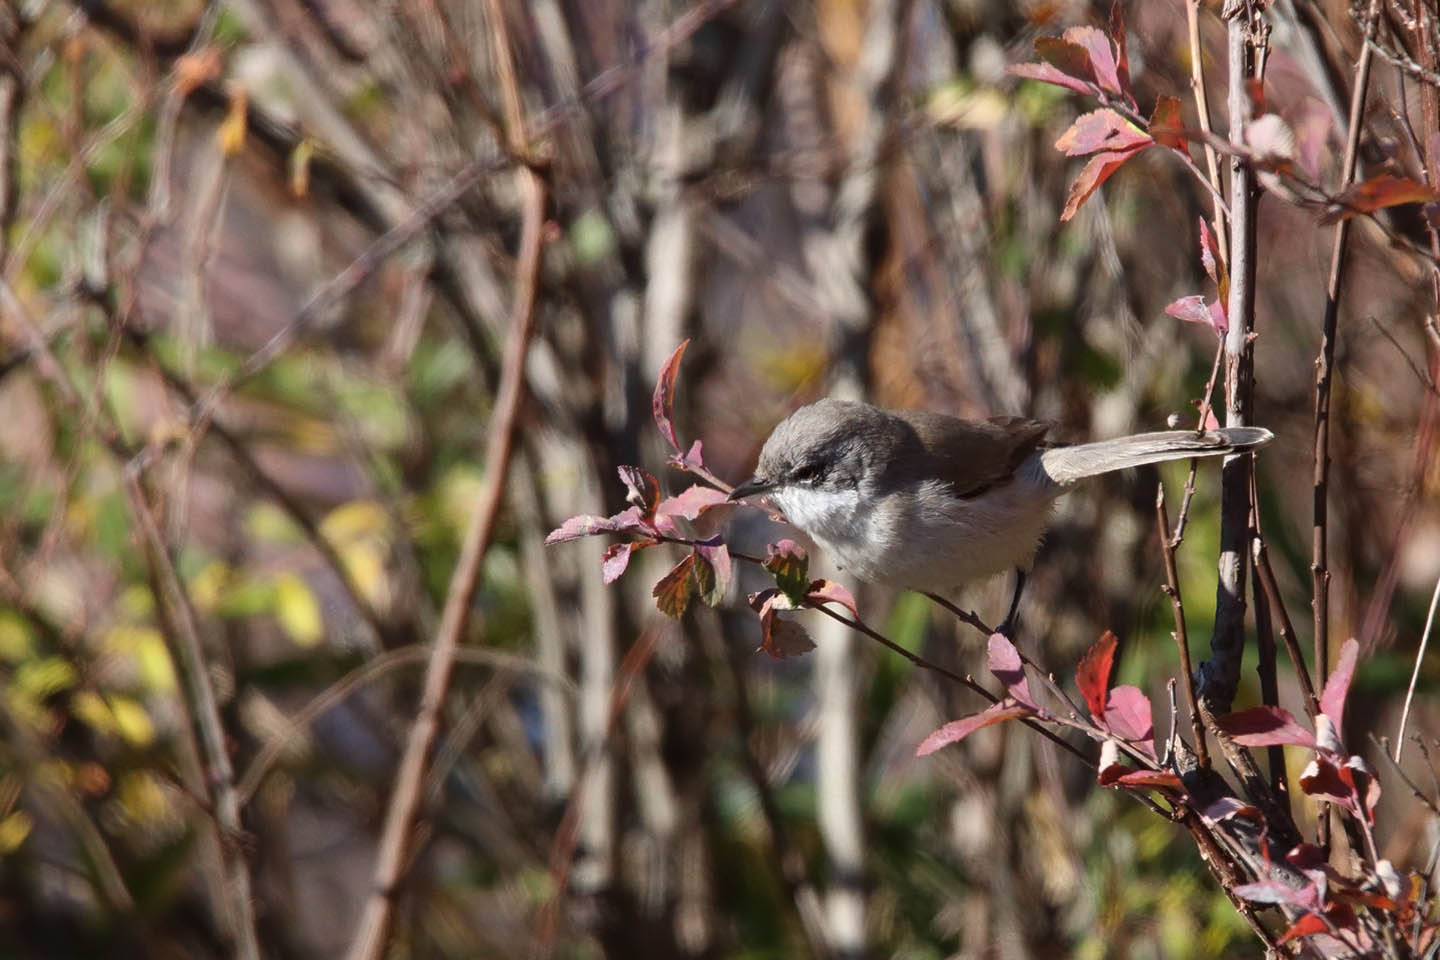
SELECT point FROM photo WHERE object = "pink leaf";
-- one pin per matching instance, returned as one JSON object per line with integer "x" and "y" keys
{"x": 616, "y": 559}
{"x": 958, "y": 730}
{"x": 1337, "y": 687}
{"x": 587, "y": 525}
{"x": 1209, "y": 251}
{"x": 1127, "y": 712}
{"x": 690, "y": 460}
{"x": 1219, "y": 318}
{"x": 1095, "y": 172}
{"x": 1092, "y": 675}
{"x": 1046, "y": 73}
{"x": 1272, "y": 891}
{"x": 1005, "y": 663}
{"x": 1102, "y": 129}
{"x": 1224, "y": 808}
{"x": 828, "y": 591}
{"x": 1265, "y": 727}
{"x": 662, "y": 404}
{"x": 1101, "y": 53}
{"x": 686, "y": 505}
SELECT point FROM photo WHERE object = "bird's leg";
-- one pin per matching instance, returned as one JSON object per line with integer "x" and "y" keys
{"x": 1008, "y": 626}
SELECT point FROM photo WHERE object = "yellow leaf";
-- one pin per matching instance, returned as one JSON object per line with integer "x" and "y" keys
{"x": 300, "y": 168}
{"x": 231, "y": 135}
{"x": 269, "y": 523}
{"x": 14, "y": 639}
{"x": 207, "y": 585}
{"x": 146, "y": 647}
{"x": 40, "y": 678}
{"x": 88, "y": 707}
{"x": 131, "y": 721}
{"x": 297, "y": 610}
{"x": 140, "y": 797}
{"x": 365, "y": 564}
{"x": 353, "y": 521}
{"x": 13, "y": 831}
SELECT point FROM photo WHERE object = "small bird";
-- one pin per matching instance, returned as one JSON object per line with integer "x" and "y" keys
{"x": 929, "y": 502}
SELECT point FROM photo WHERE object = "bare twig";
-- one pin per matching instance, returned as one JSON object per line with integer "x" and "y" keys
{"x": 1202, "y": 109}
{"x": 1287, "y": 631}
{"x": 1180, "y": 634}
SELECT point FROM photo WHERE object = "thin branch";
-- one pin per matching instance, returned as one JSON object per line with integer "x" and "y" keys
{"x": 374, "y": 925}
{"x": 1415, "y": 674}
{"x": 362, "y": 675}
{"x": 205, "y": 709}
{"x": 1180, "y": 634}
{"x": 1202, "y": 109}
{"x": 1266, "y": 574}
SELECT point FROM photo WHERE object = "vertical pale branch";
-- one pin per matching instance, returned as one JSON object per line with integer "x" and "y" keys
{"x": 394, "y": 849}
{"x": 1220, "y": 676}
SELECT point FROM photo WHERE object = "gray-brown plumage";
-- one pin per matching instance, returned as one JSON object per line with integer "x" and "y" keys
{"x": 929, "y": 502}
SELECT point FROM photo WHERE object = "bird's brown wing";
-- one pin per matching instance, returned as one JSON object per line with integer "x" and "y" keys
{"x": 975, "y": 455}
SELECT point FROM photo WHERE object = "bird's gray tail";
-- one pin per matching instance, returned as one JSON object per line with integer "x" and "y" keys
{"x": 1066, "y": 465}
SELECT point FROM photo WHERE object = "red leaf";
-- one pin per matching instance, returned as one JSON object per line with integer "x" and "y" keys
{"x": 687, "y": 505}
{"x": 1321, "y": 778}
{"x": 1265, "y": 727}
{"x": 1005, "y": 663}
{"x": 779, "y": 638}
{"x": 1308, "y": 924}
{"x": 1070, "y": 58}
{"x": 1159, "y": 779}
{"x": 587, "y": 525}
{"x": 642, "y": 489}
{"x": 790, "y": 567}
{"x": 1122, "y": 65}
{"x": 1092, "y": 676}
{"x": 1386, "y": 190}
{"x": 957, "y": 730}
{"x": 1166, "y": 125}
{"x": 662, "y": 405}
{"x": 828, "y": 591}
{"x": 673, "y": 592}
{"x": 1101, "y": 53}
{"x": 1219, "y": 319}
{"x": 1337, "y": 687}
{"x": 1127, "y": 712}
{"x": 1102, "y": 129}
{"x": 616, "y": 559}
{"x": 1096, "y": 172}
{"x": 1046, "y": 73}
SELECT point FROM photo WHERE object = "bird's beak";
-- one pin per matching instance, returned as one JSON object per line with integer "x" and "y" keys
{"x": 750, "y": 488}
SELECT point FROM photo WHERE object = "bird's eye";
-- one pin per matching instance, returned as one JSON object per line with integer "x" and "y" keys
{"x": 807, "y": 473}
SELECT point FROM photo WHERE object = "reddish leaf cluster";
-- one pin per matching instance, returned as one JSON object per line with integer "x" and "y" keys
{"x": 789, "y": 565}
{"x": 1119, "y": 714}
{"x": 1087, "y": 61}
{"x": 1196, "y": 309}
